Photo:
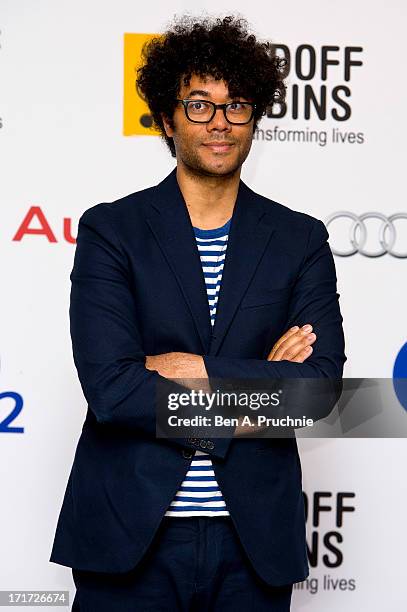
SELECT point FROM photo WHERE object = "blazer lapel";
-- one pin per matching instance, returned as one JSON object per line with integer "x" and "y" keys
{"x": 171, "y": 225}
{"x": 250, "y": 231}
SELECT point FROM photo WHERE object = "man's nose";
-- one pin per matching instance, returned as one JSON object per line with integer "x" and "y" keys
{"x": 219, "y": 121}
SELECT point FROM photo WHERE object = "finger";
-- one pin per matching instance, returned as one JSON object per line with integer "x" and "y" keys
{"x": 300, "y": 332}
{"x": 294, "y": 350}
{"x": 302, "y": 355}
{"x": 292, "y": 346}
{"x": 298, "y": 337}
{"x": 288, "y": 333}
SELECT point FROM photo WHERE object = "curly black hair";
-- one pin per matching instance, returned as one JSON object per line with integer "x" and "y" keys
{"x": 218, "y": 47}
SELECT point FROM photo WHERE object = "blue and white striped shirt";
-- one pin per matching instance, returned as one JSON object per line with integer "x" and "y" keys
{"x": 199, "y": 494}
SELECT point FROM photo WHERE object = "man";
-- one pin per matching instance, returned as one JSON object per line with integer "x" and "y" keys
{"x": 197, "y": 277}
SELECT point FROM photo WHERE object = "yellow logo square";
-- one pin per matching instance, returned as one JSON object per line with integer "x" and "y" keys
{"x": 137, "y": 119}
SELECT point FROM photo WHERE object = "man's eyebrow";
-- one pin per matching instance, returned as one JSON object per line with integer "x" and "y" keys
{"x": 198, "y": 92}
{"x": 203, "y": 92}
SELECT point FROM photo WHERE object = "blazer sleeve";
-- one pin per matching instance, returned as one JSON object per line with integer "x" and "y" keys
{"x": 314, "y": 300}
{"x": 106, "y": 340}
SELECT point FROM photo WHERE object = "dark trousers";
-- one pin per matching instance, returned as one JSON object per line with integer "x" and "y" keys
{"x": 194, "y": 564}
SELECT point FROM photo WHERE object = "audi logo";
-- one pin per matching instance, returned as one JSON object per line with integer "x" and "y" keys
{"x": 358, "y": 233}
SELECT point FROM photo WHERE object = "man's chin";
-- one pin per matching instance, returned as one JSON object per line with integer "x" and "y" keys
{"x": 217, "y": 169}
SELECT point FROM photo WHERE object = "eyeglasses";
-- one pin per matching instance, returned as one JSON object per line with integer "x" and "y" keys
{"x": 203, "y": 111}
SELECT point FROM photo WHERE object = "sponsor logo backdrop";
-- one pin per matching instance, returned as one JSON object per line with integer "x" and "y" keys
{"x": 74, "y": 133}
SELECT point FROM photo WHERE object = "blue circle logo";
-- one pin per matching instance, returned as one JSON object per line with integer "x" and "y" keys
{"x": 400, "y": 376}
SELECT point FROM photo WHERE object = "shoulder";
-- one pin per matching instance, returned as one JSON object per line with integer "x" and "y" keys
{"x": 284, "y": 213}
{"x": 120, "y": 208}
{"x": 295, "y": 221}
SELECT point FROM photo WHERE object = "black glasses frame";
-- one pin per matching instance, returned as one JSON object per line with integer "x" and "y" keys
{"x": 215, "y": 107}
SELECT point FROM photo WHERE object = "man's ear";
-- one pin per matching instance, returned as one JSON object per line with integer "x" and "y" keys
{"x": 167, "y": 125}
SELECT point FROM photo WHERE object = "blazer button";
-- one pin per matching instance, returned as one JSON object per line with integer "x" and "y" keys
{"x": 187, "y": 453}
{"x": 203, "y": 444}
{"x": 210, "y": 444}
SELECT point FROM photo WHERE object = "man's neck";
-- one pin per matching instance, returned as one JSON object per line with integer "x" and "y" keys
{"x": 210, "y": 200}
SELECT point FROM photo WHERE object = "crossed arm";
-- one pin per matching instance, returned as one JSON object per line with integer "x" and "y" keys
{"x": 118, "y": 384}
{"x": 294, "y": 345}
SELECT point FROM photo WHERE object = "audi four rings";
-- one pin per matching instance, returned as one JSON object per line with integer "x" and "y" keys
{"x": 386, "y": 234}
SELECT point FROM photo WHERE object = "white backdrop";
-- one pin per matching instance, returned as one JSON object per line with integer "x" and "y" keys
{"x": 63, "y": 150}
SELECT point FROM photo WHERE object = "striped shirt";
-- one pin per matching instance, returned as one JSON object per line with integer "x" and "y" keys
{"x": 199, "y": 494}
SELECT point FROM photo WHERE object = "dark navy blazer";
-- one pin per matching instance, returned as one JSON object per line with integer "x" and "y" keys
{"x": 138, "y": 289}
